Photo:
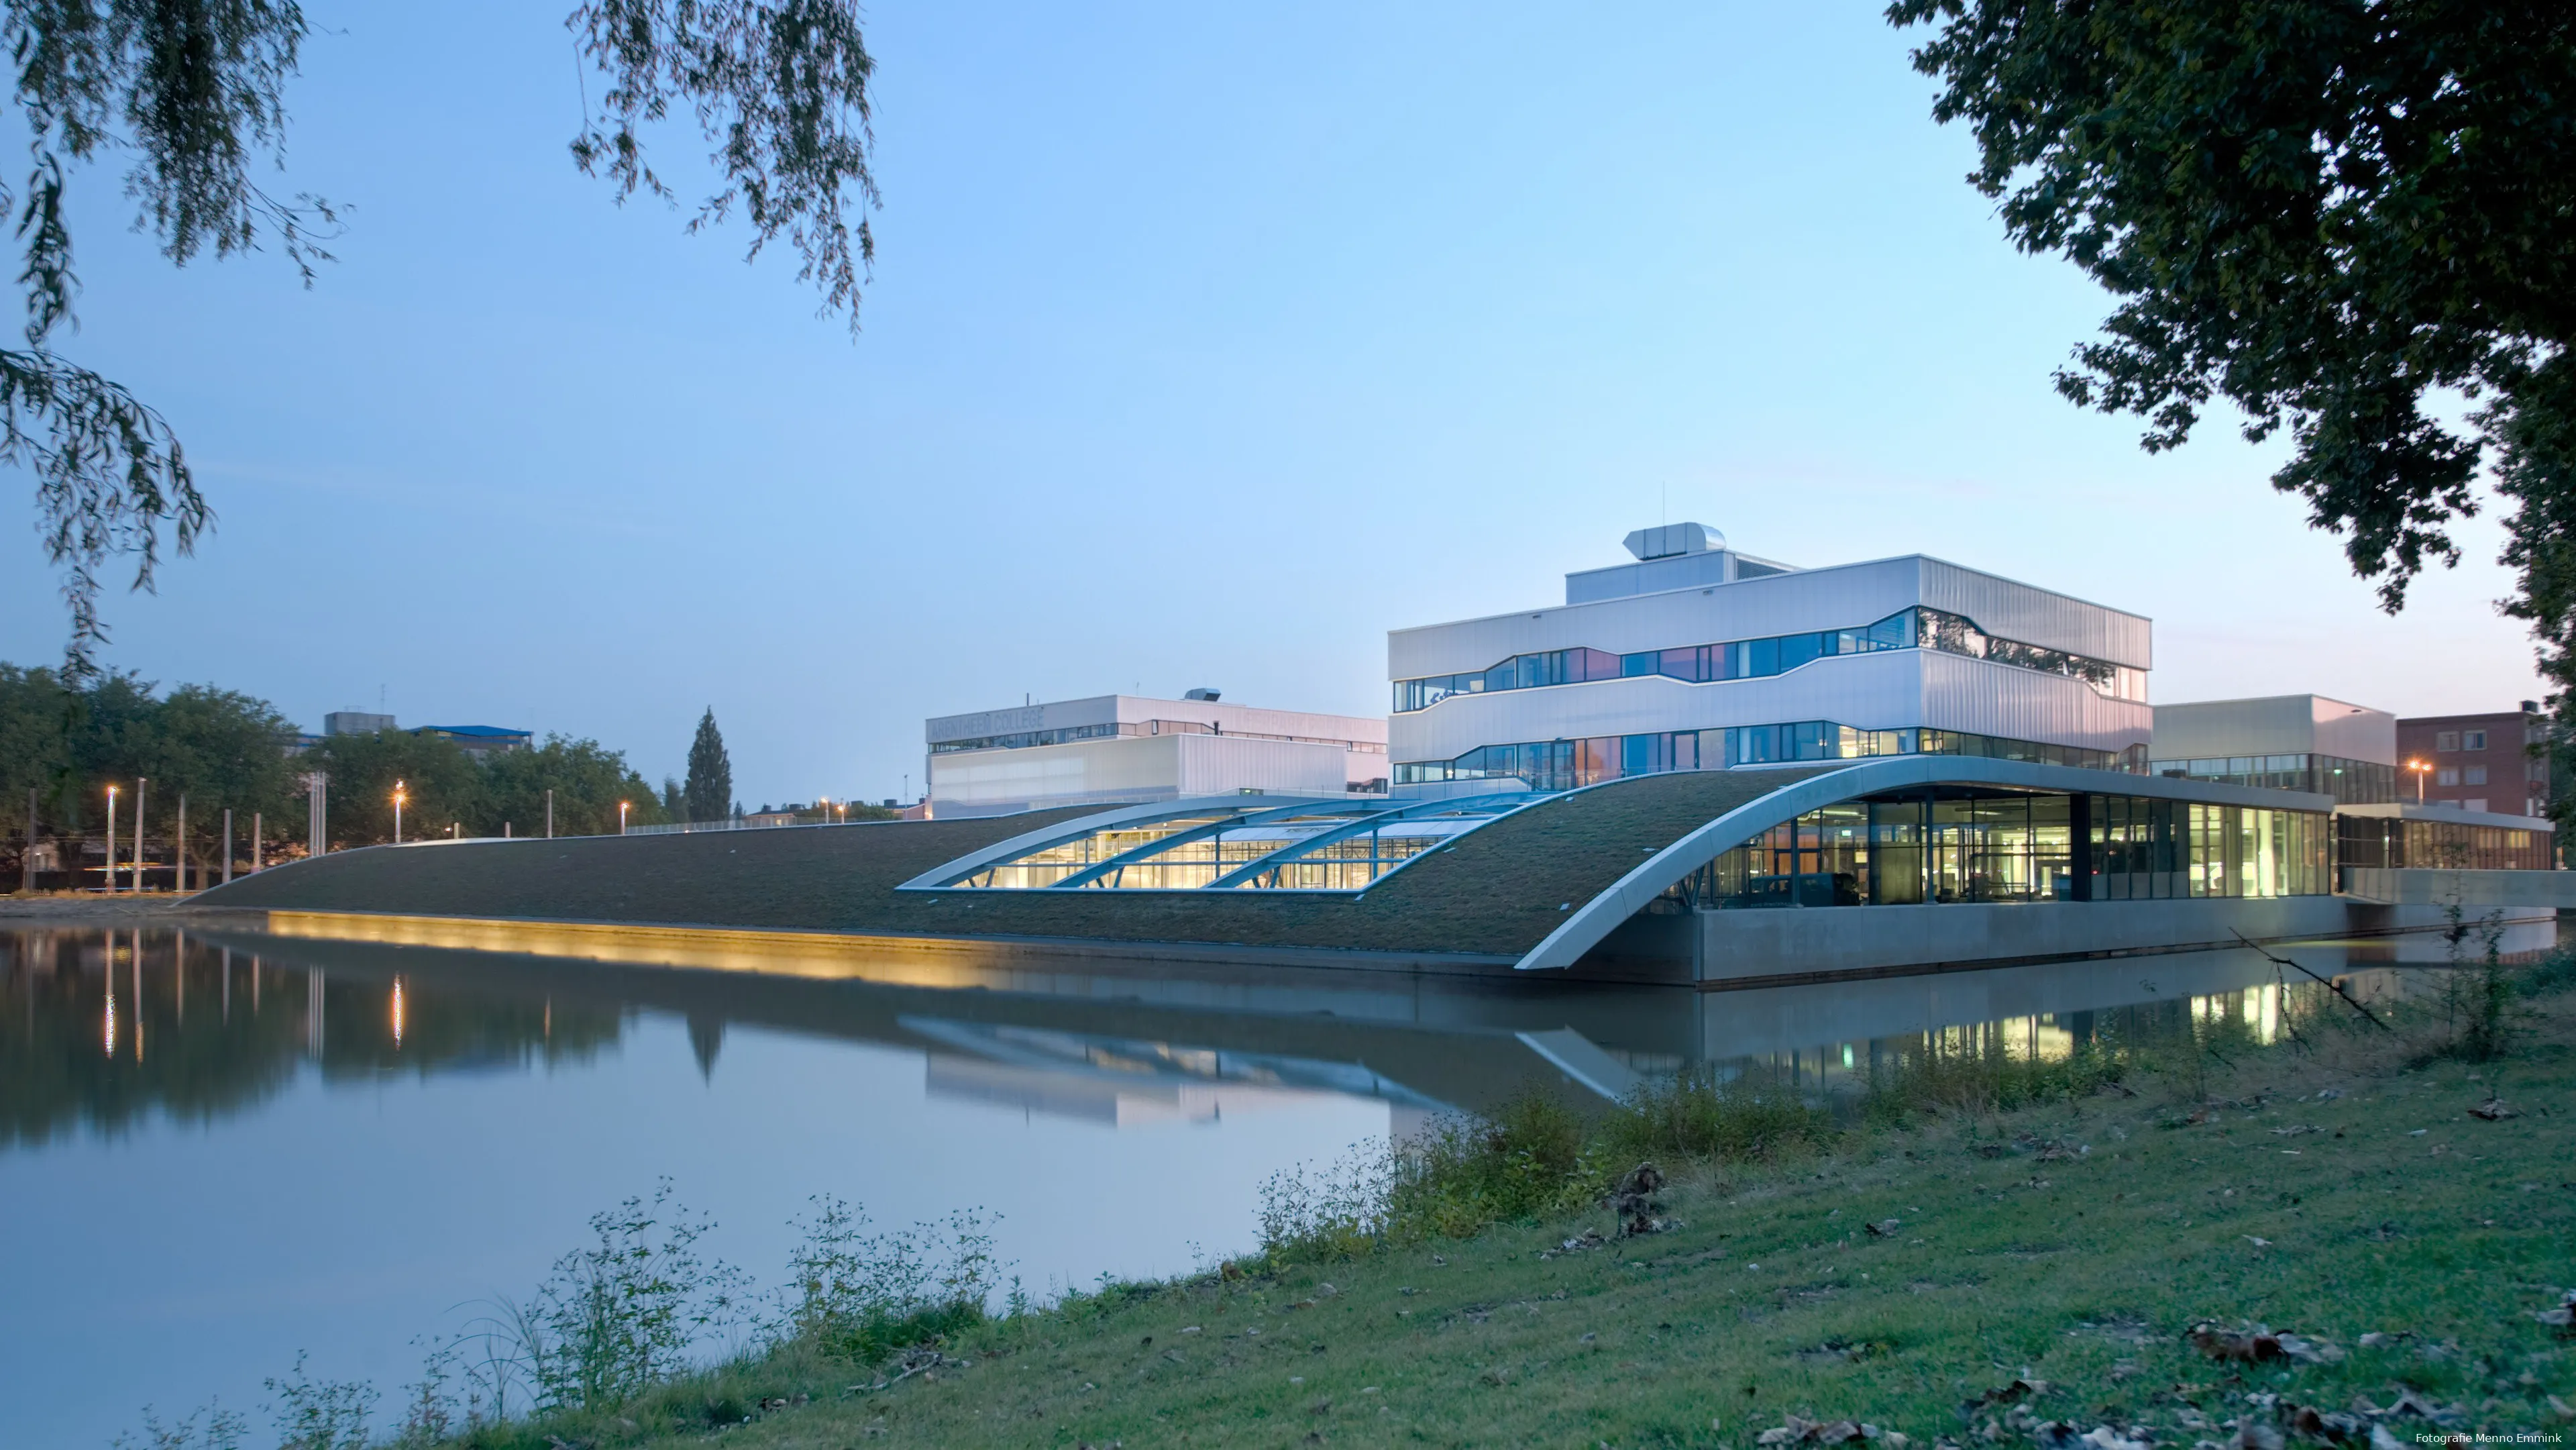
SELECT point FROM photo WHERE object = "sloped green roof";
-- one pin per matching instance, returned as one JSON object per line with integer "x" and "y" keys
{"x": 1496, "y": 892}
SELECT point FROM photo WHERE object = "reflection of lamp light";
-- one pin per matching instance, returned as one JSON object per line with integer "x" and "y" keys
{"x": 398, "y": 1012}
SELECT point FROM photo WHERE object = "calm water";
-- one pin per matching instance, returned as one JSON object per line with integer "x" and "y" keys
{"x": 220, "y": 1149}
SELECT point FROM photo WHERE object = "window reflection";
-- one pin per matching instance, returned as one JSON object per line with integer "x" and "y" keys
{"x": 1916, "y": 628}
{"x": 1553, "y": 765}
{"x": 2350, "y": 782}
{"x": 1952, "y": 844}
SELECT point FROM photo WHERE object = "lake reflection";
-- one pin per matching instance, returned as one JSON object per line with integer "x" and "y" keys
{"x": 222, "y": 1148}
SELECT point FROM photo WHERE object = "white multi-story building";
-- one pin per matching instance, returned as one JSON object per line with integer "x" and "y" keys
{"x": 1696, "y": 657}
{"x": 1130, "y": 748}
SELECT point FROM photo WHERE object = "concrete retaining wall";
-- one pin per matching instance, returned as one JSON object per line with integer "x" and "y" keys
{"x": 1812, "y": 941}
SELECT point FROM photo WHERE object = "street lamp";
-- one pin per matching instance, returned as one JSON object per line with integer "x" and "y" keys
{"x": 111, "y": 840}
{"x": 621, "y": 818}
{"x": 2419, "y": 767}
{"x": 398, "y": 805}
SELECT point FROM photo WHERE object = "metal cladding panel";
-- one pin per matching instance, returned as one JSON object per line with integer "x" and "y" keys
{"x": 1843, "y": 597}
{"x": 2275, "y": 725}
{"x": 2355, "y": 732}
{"x": 1225, "y": 764}
{"x": 1061, "y": 714}
{"x": 1811, "y": 599}
{"x": 1251, "y": 719}
{"x": 2018, "y": 611}
{"x": 1138, "y": 710}
{"x": 1076, "y": 770}
{"x": 1887, "y": 691}
{"x": 1991, "y": 699}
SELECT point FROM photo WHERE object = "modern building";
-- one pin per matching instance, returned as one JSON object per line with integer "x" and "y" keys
{"x": 2281, "y": 742}
{"x": 479, "y": 740}
{"x": 1134, "y": 749}
{"x": 1696, "y": 657}
{"x": 2477, "y": 762}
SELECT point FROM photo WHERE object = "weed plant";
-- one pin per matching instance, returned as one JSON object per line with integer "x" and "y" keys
{"x": 1699, "y": 1115}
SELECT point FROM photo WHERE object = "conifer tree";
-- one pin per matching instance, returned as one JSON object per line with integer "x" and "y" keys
{"x": 708, "y": 796}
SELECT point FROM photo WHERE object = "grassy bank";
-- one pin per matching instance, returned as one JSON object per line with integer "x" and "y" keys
{"x": 1992, "y": 1248}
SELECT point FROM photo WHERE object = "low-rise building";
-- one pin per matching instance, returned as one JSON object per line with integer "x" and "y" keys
{"x": 479, "y": 740}
{"x": 1135, "y": 749}
{"x": 2477, "y": 762}
{"x": 2284, "y": 742}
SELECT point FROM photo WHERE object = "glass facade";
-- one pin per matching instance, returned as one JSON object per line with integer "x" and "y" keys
{"x": 1917, "y": 628}
{"x": 1553, "y": 765}
{"x": 1294, "y": 850}
{"x": 2449, "y": 845}
{"x": 1969, "y": 845}
{"x": 2350, "y": 782}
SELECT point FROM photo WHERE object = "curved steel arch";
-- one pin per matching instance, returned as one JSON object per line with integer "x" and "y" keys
{"x": 1627, "y": 896}
{"x": 1000, "y": 853}
{"x": 1287, "y": 855}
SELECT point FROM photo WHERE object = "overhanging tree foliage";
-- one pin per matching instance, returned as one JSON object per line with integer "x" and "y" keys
{"x": 191, "y": 93}
{"x": 2354, "y": 219}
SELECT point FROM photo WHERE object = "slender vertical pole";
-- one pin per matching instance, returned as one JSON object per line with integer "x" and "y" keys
{"x": 111, "y": 840}
{"x": 254, "y": 842}
{"x": 142, "y": 784}
{"x": 27, "y": 861}
{"x": 179, "y": 853}
{"x": 228, "y": 866}
{"x": 550, "y": 813}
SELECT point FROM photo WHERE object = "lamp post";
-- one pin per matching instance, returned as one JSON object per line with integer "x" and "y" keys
{"x": 398, "y": 805}
{"x": 2419, "y": 767}
{"x": 621, "y": 818}
{"x": 111, "y": 840}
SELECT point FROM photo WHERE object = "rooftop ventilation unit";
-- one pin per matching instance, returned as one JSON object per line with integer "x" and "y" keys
{"x": 1202, "y": 693}
{"x": 1672, "y": 539}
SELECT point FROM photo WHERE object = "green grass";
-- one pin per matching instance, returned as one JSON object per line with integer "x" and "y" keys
{"x": 2073, "y": 1239}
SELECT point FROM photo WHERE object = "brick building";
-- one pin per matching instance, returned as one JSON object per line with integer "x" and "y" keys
{"x": 2476, "y": 762}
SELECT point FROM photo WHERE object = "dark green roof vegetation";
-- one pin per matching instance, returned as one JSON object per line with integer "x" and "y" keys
{"x": 1497, "y": 892}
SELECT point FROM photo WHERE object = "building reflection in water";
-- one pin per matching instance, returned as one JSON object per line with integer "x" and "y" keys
{"x": 1074, "y": 1040}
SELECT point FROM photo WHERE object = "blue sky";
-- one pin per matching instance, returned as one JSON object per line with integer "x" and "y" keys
{"x": 1206, "y": 344}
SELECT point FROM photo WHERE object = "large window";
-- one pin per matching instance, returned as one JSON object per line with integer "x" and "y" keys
{"x": 2350, "y": 782}
{"x": 2448, "y": 845}
{"x": 1917, "y": 628}
{"x": 1552, "y": 765}
{"x": 1953, "y": 844}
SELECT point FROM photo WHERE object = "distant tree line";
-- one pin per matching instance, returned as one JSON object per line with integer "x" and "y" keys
{"x": 226, "y": 750}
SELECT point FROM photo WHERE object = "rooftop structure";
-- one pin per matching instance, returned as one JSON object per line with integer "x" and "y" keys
{"x": 2283, "y": 742}
{"x": 1696, "y": 657}
{"x": 1134, "y": 749}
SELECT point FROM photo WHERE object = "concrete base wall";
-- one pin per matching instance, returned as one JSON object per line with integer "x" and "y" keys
{"x": 1822, "y": 941}
{"x": 2477, "y": 892}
